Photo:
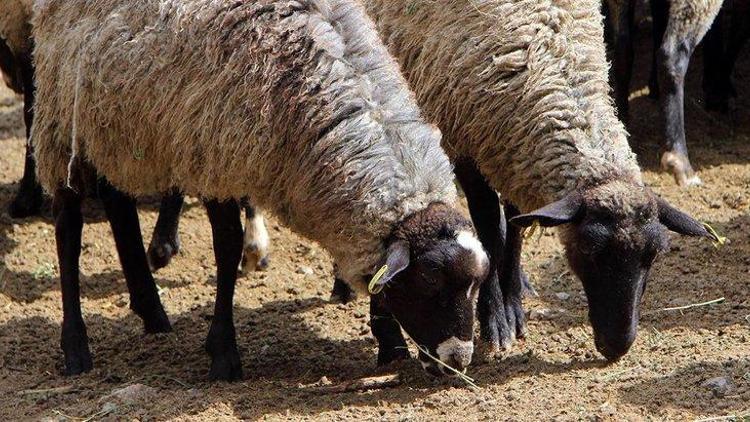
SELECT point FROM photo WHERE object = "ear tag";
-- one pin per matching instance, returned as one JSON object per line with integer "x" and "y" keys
{"x": 529, "y": 232}
{"x": 720, "y": 240}
{"x": 373, "y": 287}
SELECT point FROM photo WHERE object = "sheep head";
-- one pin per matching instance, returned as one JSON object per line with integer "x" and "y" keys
{"x": 433, "y": 271}
{"x": 612, "y": 234}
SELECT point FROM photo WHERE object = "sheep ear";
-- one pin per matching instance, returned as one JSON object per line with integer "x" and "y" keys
{"x": 679, "y": 222}
{"x": 554, "y": 214}
{"x": 397, "y": 260}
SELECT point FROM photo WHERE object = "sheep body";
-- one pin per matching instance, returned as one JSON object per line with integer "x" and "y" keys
{"x": 295, "y": 104}
{"x": 15, "y": 28}
{"x": 525, "y": 94}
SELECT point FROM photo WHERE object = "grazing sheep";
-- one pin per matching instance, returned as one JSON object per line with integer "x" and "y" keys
{"x": 678, "y": 28}
{"x": 520, "y": 91}
{"x": 295, "y": 104}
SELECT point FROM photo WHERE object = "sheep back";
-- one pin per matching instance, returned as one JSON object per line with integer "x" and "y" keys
{"x": 295, "y": 104}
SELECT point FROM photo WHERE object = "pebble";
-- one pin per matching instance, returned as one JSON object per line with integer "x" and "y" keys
{"x": 719, "y": 386}
{"x": 562, "y": 295}
{"x": 304, "y": 270}
{"x": 541, "y": 314}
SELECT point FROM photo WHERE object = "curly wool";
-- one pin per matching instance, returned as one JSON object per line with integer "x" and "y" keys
{"x": 521, "y": 87}
{"x": 296, "y": 104}
{"x": 691, "y": 19}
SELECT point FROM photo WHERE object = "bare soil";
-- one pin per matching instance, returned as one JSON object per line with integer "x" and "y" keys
{"x": 290, "y": 336}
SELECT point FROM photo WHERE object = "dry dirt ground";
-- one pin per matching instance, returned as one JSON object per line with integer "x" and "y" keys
{"x": 290, "y": 336}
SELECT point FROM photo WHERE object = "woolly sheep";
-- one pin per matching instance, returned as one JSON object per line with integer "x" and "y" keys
{"x": 295, "y": 104}
{"x": 519, "y": 89}
{"x": 678, "y": 28}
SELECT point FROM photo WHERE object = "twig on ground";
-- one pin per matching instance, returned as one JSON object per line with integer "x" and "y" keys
{"x": 361, "y": 384}
{"x": 56, "y": 390}
{"x": 682, "y": 308}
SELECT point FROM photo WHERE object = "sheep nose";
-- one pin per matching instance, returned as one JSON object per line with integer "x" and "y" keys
{"x": 455, "y": 353}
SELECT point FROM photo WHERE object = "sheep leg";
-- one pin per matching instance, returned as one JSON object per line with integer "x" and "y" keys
{"x": 165, "y": 241}
{"x": 512, "y": 277}
{"x": 74, "y": 341}
{"x": 221, "y": 344}
{"x": 28, "y": 199}
{"x": 484, "y": 207}
{"x": 621, "y": 18}
{"x": 123, "y": 219}
{"x": 675, "y": 55}
{"x": 387, "y": 331}
{"x": 660, "y": 16}
{"x": 255, "y": 245}
{"x": 715, "y": 86}
{"x": 739, "y": 34}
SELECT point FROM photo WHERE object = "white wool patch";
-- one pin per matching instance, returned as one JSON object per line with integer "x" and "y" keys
{"x": 256, "y": 234}
{"x": 468, "y": 241}
{"x": 460, "y": 350}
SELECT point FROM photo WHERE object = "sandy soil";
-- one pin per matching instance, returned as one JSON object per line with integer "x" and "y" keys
{"x": 290, "y": 337}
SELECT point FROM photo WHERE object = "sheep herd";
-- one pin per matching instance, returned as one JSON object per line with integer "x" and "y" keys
{"x": 352, "y": 122}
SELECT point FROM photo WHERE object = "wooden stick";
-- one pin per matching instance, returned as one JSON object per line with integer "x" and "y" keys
{"x": 362, "y": 384}
{"x": 57, "y": 390}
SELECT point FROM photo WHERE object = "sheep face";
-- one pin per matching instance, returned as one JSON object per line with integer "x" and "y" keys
{"x": 616, "y": 231}
{"x": 435, "y": 268}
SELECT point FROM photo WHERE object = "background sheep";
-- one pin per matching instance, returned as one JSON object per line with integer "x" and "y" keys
{"x": 519, "y": 89}
{"x": 294, "y": 104}
{"x": 678, "y": 28}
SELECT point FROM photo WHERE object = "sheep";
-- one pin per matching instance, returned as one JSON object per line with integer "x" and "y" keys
{"x": 520, "y": 92}
{"x": 295, "y": 104}
{"x": 678, "y": 28}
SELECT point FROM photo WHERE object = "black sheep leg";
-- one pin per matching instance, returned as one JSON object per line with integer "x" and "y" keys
{"x": 715, "y": 87}
{"x": 74, "y": 341}
{"x": 28, "y": 200}
{"x": 512, "y": 277}
{"x": 221, "y": 343}
{"x": 123, "y": 219}
{"x": 341, "y": 292}
{"x": 674, "y": 57}
{"x": 165, "y": 241}
{"x": 391, "y": 344}
{"x": 660, "y": 16}
{"x": 488, "y": 219}
{"x": 621, "y": 20}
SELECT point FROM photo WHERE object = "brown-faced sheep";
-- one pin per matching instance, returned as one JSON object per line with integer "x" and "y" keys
{"x": 520, "y": 91}
{"x": 295, "y": 104}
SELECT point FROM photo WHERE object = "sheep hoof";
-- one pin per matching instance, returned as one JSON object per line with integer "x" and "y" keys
{"x": 76, "y": 350}
{"x": 527, "y": 289}
{"x": 487, "y": 351}
{"x": 226, "y": 366}
{"x": 160, "y": 252}
{"x": 27, "y": 203}
{"x": 679, "y": 166}
{"x": 342, "y": 293}
{"x": 156, "y": 321}
{"x": 516, "y": 321}
{"x": 251, "y": 261}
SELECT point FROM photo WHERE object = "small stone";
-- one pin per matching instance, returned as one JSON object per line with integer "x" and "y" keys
{"x": 121, "y": 302}
{"x": 562, "y": 295}
{"x": 108, "y": 407}
{"x": 541, "y": 314}
{"x": 304, "y": 270}
{"x": 719, "y": 386}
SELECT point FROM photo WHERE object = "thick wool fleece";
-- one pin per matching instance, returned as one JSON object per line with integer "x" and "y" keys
{"x": 520, "y": 86}
{"x": 296, "y": 104}
{"x": 15, "y": 25}
{"x": 691, "y": 19}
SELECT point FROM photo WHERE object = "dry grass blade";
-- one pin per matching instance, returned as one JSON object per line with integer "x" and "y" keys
{"x": 462, "y": 375}
{"x": 57, "y": 390}
{"x": 691, "y": 306}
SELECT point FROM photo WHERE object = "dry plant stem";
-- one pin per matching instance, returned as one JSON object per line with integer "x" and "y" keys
{"x": 682, "y": 308}
{"x": 362, "y": 384}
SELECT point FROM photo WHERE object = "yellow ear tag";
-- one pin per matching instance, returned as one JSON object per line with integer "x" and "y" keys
{"x": 531, "y": 230}
{"x": 373, "y": 287}
{"x": 721, "y": 239}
